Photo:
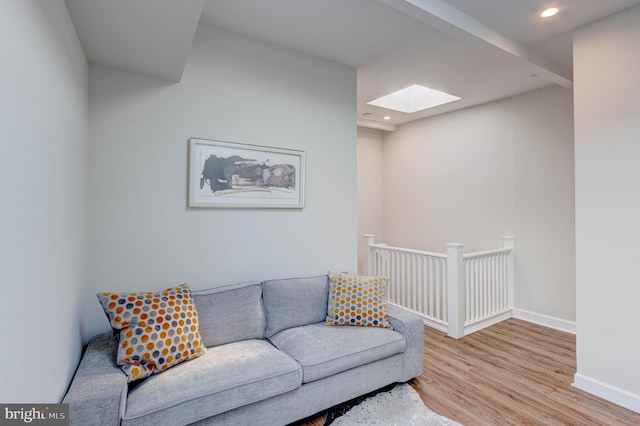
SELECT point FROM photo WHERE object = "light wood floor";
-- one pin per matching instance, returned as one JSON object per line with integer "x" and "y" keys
{"x": 513, "y": 373}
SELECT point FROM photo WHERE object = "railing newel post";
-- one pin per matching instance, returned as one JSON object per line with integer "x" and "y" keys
{"x": 455, "y": 290}
{"x": 371, "y": 239}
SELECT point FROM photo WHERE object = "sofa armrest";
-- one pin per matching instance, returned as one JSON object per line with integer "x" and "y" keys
{"x": 412, "y": 327}
{"x": 98, "y": 391}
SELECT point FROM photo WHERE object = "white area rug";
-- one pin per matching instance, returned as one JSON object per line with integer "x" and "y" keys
{"x": 401, "y": 406}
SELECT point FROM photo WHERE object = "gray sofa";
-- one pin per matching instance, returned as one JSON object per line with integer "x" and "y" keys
{"x": 270, "y": 360}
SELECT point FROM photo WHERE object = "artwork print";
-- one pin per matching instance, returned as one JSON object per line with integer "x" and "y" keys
{"x": 225, "y": 174}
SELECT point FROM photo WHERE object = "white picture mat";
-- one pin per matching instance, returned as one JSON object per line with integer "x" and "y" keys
{"x": 201, "y": 194}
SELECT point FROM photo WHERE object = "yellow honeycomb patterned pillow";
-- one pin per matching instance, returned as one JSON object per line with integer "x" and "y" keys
{"x": 357, "y": 300}
{"x": 157, "y": 329}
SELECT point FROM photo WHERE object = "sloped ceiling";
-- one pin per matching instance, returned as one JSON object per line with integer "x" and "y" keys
{"x": 478, "y": 50}
{"x": 150, "y": 37}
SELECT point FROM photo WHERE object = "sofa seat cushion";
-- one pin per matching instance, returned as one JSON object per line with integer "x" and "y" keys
{"x": 323, "y": 350}
{"x": 224, "y": 378}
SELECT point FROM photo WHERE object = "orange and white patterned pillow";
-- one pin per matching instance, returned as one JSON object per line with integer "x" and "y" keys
{"x": 157, "y": 329}
{"x": 357, "y": 300}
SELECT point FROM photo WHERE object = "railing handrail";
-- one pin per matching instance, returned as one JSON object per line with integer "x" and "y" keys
{"x": 442, "y": 255}
{"x": 486, "y": 253}
{"x": 411, "y": 251}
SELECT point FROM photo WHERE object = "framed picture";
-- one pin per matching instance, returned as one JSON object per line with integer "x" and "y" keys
{"x": 226, "y": 174}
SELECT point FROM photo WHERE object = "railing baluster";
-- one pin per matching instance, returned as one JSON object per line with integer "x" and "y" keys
{"x": 411, "y": 297}
{"x": 419, "y": 281}
{"x": 505, "y": 287}
{"x": 487, "y": 272}
{"x": 442, "y": 289}
{"x": 425, "y": 285}
{"x": 475, "y": 283}
{"x": 414, "y": 280}
{"x": 485, "y": 288}
{"x": 437, "y": 288}
{"x": 403, "y": 277}
{"x": 392, "y": 272}
{"x": 393, "y": 266}
{"x": 422, "y": 283}
{"x": 401, "y": 269}
{"x": 499, "y": 284}
{"x": 445, "y": 296}
{"x": 386, "y": 271}
{"x": 505, "y": 277}
{"x": 409, "y": 292}
{"x": 494, "y": 285}
{"x": 506, "y": 281}
{"x": 467, "y": 287}
{"x": 433, "y": 289}
{"x": 476, "y": 289}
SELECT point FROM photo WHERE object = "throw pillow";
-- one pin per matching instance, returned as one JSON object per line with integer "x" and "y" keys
{"x": 157, "y": 329}
{"x": 357, "y": 300}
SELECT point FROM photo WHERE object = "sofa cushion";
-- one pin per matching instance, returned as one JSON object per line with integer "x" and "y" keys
{"x": 323, "y": 350}
{"x": 357, "y": 300}
{"x": 157, "y": 329}
{"x": 294, "y": 302}
{"x": 230, "y": 314}
{"x": 224, "y": 378}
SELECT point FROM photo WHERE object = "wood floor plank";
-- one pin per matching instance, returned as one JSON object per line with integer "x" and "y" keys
{"x": 512, "y": 373}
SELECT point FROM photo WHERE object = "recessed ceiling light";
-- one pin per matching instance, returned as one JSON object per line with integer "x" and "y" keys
{"x": 549, "y": 12}
{"x": 387, "y": 117}
{"x": 413, "y": 98}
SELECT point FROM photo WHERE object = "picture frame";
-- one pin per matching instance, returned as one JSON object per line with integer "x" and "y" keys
{"x": 236, "y": 175}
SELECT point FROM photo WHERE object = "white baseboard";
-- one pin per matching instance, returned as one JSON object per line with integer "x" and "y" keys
{"x": 427, "y": 321}
{"x": 606, "y": 391}
{"x": 468, "y": 329}
{"x": 545, "y": 320}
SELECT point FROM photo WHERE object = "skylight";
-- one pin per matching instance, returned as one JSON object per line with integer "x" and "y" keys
{"x": 413, "y": 98}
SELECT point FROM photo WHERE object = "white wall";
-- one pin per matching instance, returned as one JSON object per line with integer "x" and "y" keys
{"x": 143, "y": 236}
{"x": 370, "y": 190}
{"x": 476, "y": 175}
{"x": 544, "y": 214}
{"x": 449, "y": 179}
{"x": 607, "y": 155}
{"x": 43, "y": 111}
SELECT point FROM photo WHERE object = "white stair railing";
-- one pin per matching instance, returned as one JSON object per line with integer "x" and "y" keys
{"x": 454, "y": 292}
{"x": 423, "y": 278}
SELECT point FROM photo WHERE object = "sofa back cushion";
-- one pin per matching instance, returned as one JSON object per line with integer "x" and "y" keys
{"x": 294, "y": 302}
{"x": 230, "y": 314}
